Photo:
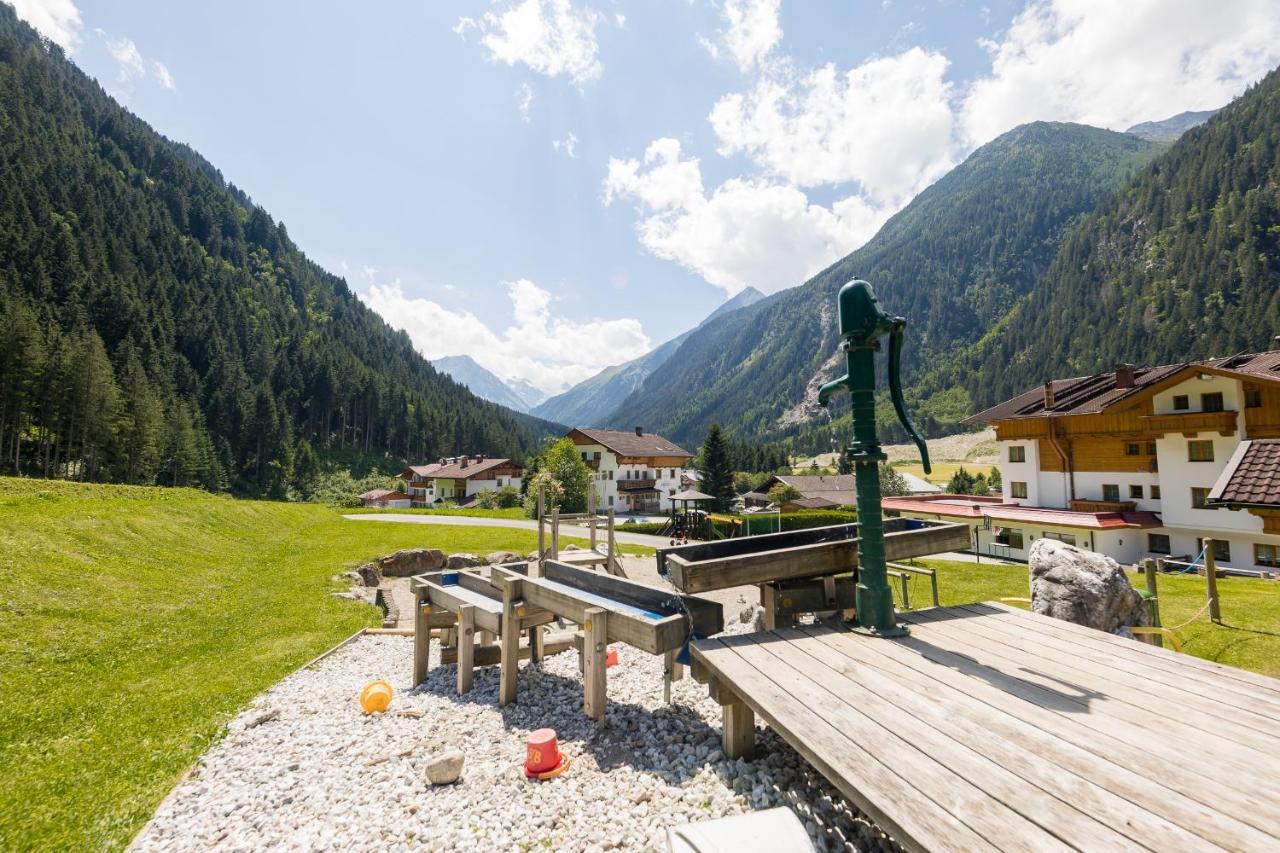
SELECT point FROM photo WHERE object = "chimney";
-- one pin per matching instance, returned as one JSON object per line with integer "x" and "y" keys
{"x": 639, "y": 430}
{"x": 1124, "y": 375}
{"x": 465, "y": 460}
{"x": 479, "y": 457}
{"x": 1275, "y": 342}
{"x": 1048, "y": 394}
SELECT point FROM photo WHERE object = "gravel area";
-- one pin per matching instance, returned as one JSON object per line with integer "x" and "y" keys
{"x": 303, "y": 768}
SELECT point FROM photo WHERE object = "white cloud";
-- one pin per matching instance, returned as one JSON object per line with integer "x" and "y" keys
{"x": 126, "y": 53}
{"x": 57, "y": 20}
{"x": 550, "y": 352}
{"x": 751, "y": 32}
{"x": 1116, "y": 64}
{"x": 551, "y": 37}
{"x": 569, "y": 145}
{"x": 745, "y": 232}
{"x": 163, "y": 75}
{"x": 620, "y": 19}
{"x": 526, "y": 101}
{"x": 885, "y": 124}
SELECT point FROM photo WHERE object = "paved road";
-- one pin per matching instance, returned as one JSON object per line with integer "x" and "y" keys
{"x": 517, "y": 523}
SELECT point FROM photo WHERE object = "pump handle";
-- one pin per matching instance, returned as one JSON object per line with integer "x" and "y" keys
{"x": 895, "y": 390}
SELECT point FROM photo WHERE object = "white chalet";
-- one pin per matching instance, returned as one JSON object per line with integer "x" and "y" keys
{"x": 632, "y": 471}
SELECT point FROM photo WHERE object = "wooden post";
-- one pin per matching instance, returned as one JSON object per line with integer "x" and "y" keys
{"x": 486, "y": 638}
{"x": 466, "y": 647}
{"x": 542, "y": 543}
{"x": 421, "y": 636}
{"x": 1211, "y": 581}
{"x": 509, "y": 640}
{"x": 1153, "y": 603}
{"x": 769, "y": 603}
{"x": 591, "y": 511}
{"x": 671, "y": 671}
{"x": 738, "y": 722}
{"x": 595, "y": 649}
{"x": 555, "y": 533}
{"x": 535, "y": 644}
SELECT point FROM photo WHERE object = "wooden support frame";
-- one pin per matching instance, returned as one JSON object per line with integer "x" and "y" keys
{"x": 509, "y": 641}
{"x": 466, "y": 647}
{"x": 738, "y": 721}
{"x": 595, "y": 651}
{"x": 490, "y": 654}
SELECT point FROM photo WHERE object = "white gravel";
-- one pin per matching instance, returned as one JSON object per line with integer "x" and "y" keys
{"x": 320, "y": 775}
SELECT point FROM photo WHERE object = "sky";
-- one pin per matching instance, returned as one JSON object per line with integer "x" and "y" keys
{"x": 555, "y": 186}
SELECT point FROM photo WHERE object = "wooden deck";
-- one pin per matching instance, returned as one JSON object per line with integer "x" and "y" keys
{"x": 993, "y": 728}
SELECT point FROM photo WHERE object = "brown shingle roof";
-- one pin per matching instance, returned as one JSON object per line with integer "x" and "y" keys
{"x": 1084, "y": 395}
{"x": 472, "y": 469}
{"x": 626, "y": 443}
{"x": 1252, "y": 475}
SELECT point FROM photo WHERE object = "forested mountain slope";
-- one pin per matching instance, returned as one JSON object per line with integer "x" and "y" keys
{"x": 1183, "y": 263}
{"x": 593, "y": 400}
{"x": 159, "y": 327}
{"x": 953, "y": 262}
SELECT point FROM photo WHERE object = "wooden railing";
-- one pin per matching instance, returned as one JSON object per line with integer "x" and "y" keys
{"x": 1192, "y": 422}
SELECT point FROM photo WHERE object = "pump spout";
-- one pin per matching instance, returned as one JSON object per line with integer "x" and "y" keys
{"x": 829, "y": 388}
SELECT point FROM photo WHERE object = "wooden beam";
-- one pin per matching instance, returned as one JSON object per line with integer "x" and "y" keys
{"x": 421, "y": 637}
{"x": 466, "y": 647}
{"x": 594, "y": 653}
{"x": 509, "y": 639}
{"x": 491, "y": 654}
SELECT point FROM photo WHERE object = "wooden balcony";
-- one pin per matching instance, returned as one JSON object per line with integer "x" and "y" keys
{"x": 637, "y": 485}
{"x": 1103, "y": 506}
{"x": 1190, "y": 423}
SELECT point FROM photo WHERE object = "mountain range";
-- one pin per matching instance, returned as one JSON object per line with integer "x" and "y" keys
{"x": 1169, "y": 129}
{"x": 515, "y": 394}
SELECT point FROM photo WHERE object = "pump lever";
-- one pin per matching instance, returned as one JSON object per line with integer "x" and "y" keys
{"x": 895, "y": 390}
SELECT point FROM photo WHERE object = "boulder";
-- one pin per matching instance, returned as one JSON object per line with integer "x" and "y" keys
{"x": 357, "y": 593}
{"x": 500, "y": 557}
{"x": 463, "y": 561}
{"x": 571, "y": 547}
{"x": 369, "y": 574}
{"x": 1083, "y": 587}
{"x": 412, "y": 561}
{"x": 444, "y": 767}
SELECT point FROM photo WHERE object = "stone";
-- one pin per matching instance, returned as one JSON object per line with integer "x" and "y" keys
{"x": 444, "y": 767}
{"x": 500, "y": 557}
{"x": 748, "y": 613}
{"x": 463, "y": 561}
{"x": 411, "y": 561}
{"x": 1083, "y": 587}
{"x": 369, "y": 574}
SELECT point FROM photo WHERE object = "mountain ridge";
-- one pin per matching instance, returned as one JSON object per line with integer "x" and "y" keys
{"x": 486, "y": 384}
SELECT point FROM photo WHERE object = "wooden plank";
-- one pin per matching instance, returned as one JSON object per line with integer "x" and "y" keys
{"x": 888, "y": 796}
{"x": 1253, "y": 709}
{"x": 421, "y": 637}
{"x": 466, "y": 647}
{"x": 509, "y": 642}
{"x": 1231, "y": 677}
{"x": 1178, "y": 759}
{"x": 490, "y": 654}
{"x": 595, "y": 631}
{"x": 1182, "y": 712}
{"x": 1122, "y": 766}
{"x": 707, "y": 616}
{"x": 1022, "y": 752}
{"x": 810, "y": 595}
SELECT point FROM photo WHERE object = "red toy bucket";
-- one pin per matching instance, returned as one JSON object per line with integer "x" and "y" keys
{"x": 542, "y": 757}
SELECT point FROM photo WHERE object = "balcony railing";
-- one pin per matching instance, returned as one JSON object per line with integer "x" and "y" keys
{"x": 636, "y": 485}
{"x": 1103, "y": 506}
{"x": 1192, "y": 422}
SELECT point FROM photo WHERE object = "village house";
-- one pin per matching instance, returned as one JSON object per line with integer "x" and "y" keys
{"x": 459, "y": 479}
{"x": 385, "y": 499}
{"x": 632, "y": 471}
{"x": 1135, "y": 463}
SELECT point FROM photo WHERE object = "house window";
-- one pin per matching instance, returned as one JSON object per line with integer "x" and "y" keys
{"x": 1200, "y": 451}
{"x": 1133, "y": 448}
{"x": 1267, "y": 555}
{"x": 1151, "y": 448}
{"x": 1211, "y": 402}
{"x": 1017, "y": 453}
{"x": 1181, "y": 402}
{"x": 1155, "y": 493}
{"x": 671, "y": 474}
{"x": 1199, "y": 498}
{"x": 1010, "y": 538}
{"x": 1065, "y": 538}
{"x": 1158, "y": 543}
{"x": 1017, "y": 489}
{"x": 1221, "y": 549}
{"x": 1110, "y": 492}
{"x": 1253, "y": 399}
{"x": 1135, "y": 493}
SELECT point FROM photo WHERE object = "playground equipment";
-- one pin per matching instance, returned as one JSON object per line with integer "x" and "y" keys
{"x": 549, "y": 547}
{"x": 862, "y": 324}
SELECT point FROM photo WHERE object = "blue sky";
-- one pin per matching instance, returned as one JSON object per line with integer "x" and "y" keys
{"x": 553, "y": 186}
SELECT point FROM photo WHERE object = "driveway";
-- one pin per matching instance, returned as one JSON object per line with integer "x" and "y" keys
{"x": 518, "y": 523}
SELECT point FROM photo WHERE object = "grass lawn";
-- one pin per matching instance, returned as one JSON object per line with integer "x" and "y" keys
{"x": 135, "y": 622}
{"x": 1248, "y": 638}
{"x": 941, "y": 471}
{"x": 512, "y": 512}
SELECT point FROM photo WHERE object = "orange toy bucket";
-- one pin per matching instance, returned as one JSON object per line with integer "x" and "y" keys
{"x": 375, "y": 697}
{"x": 542, "y": 755}
{"x": 611, "y": 658}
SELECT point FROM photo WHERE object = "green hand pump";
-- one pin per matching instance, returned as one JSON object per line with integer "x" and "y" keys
{"x": 862, "y": 324}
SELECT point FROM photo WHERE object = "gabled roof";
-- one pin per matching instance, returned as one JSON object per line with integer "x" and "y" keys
{"x": 420, "y": 470}
{"x": 995, "y": 509}
{"x": 628, "y": 443}
{"x": 813, "y": 503}
{"x": 472, "y": 469}
{"x": 1252, "y": 475}
{"x": 1086, "y": 395}
{"x": 376, "y": 494}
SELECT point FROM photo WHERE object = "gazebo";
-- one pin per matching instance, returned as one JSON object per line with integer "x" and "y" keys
{"x": 689, "y": 522}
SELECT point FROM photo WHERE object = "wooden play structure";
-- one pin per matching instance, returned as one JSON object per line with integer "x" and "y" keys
{"x": 549, "y": 536}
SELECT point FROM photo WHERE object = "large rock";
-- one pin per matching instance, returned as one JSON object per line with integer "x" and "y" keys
{"x": 497, "y": 558}
{"x": 369, "y": 574}
{"x": 1082, "y": 587}
{"x": 412, "y": 561}
{"x": 444, "y": 767}
{"x": 463, "y": 561}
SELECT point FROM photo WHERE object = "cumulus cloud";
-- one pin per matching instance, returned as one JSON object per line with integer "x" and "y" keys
{"x": 751, "y": 32}
{"x": 744, "y": 232}
{"x": 132, "y": 64}
{"x": 551, "y": 37}
{"x": 885, "y": 124}
{"x": 1116, "y": 64}
{"x": 549, "y": 352}
{"x": 57, "y": 20}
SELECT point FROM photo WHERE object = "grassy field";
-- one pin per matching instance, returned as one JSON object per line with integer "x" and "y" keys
{"x": 1248, "y": 638}
{"x": 134, "y": 622}
{"x": 512, "y": 512}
